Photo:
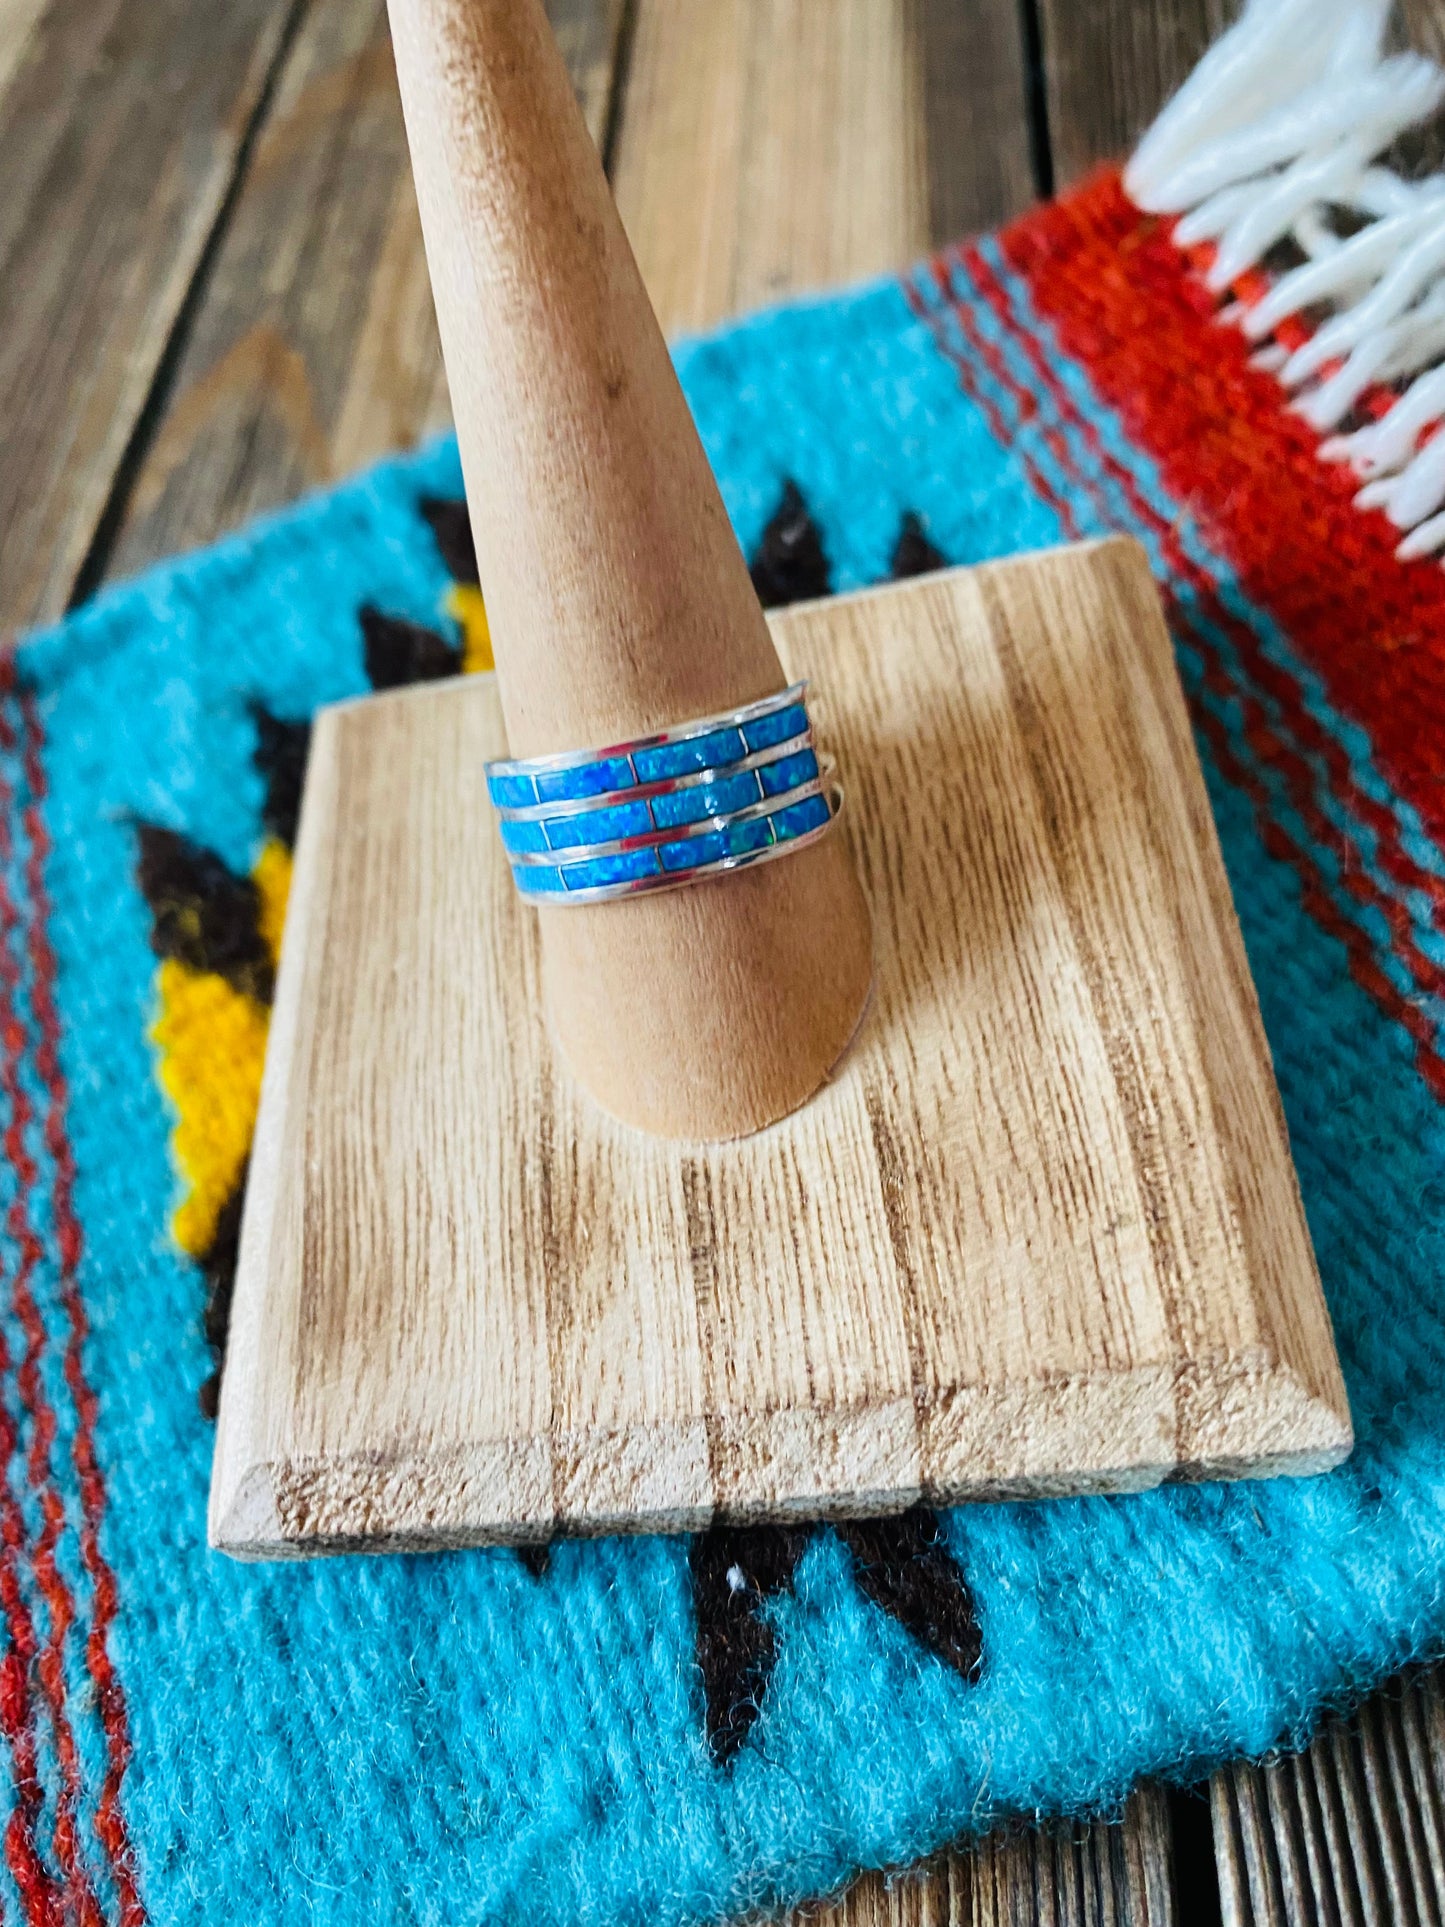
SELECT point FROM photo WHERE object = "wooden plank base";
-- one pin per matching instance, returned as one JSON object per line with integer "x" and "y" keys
{"x": 1040, "y": 1234}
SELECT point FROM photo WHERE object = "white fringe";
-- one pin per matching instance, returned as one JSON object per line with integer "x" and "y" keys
{"x": 1273, "y": 137}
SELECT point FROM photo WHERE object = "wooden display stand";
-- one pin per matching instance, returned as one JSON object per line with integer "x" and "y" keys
{"x": 505, "y": 1274}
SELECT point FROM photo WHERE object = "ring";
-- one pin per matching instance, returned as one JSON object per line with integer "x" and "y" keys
{"x": 701, "y": 799}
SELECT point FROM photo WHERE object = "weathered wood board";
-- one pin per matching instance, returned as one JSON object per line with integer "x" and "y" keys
{"x": 1040, "y": 1234}
{"x": 1110, "y": 65}
{"x": 1350, "y": 1830}
{"x": 764, "y": 148}
{"x": 123, "y": 126}
{"x": 313, "y": 349}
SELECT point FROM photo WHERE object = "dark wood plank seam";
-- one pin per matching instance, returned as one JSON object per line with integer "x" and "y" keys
{"x": 617, "y": 85}
{"x": 1036, "y": 98}
{"x": 94, "y": 564}
{"x": 1192, "y": 1873}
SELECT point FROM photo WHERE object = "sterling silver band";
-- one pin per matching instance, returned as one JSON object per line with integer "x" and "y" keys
{"x": 701, "y": 799}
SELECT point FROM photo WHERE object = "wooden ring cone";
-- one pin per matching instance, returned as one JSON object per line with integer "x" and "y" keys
{"x": 618, "y": 599}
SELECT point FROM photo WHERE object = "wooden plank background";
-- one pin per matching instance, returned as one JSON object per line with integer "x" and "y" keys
{"x": 209, "y": 305}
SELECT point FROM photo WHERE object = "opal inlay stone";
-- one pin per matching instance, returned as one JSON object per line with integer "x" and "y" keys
{"x": 512, "y": 792}
{"x": 768, "y": 731}
{"x": 596, "y": 826}
{"x": 591, "y": 779}
{"x": 724, "y": 796}
{"x": 788, "y": 773}
{"x": 524, "y": 839}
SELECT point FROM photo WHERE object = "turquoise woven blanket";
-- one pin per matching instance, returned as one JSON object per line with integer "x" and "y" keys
{"x": 475, "y": 1738}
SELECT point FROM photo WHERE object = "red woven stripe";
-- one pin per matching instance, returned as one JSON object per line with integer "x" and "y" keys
{"x": 1124, "y": 303}
{"x": 1268, "y": 746}
{"x": 39, "y": 1893}
{"x": 80, "y": 1896}
{"x": 1305, "y": 729}
{"x": 1362, "y": 963}
{"x": 110, "y": 1824}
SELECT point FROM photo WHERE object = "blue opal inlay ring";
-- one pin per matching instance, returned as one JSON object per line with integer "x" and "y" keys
{"x": 714, "y": 795}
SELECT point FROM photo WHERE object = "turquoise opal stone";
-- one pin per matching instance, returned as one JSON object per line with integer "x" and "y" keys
{"x": 523, "y": 839}
{"x": 714, "y": 751}
{"x": 777, "y": 728}
{"x": 722, "y": 798}
{"x": 512, "y": 792}
{"x": 610, "y": 825}
{"x": 742, "y": 839}
{"x": 586, "y": 779}
{"x": 799, "y": 818}
{"x": 789, "y": 772}
{"x": 696, "y": 849}
{"x": 604, "y": 870}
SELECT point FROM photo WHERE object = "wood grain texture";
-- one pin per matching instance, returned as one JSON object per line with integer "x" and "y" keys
{"x": 124, "y": 124}
{"x": 977, "y": 146}
{"x": 314, "y": 350}
{"x": 768, "y": 146}
{"x": 1351, "y": 1831}
{"x": 1110, "y": 65}
{"x": 1041, "y": 1232}
{"x": 19, "y": 20}
{"x": 1082, "y": 1876}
